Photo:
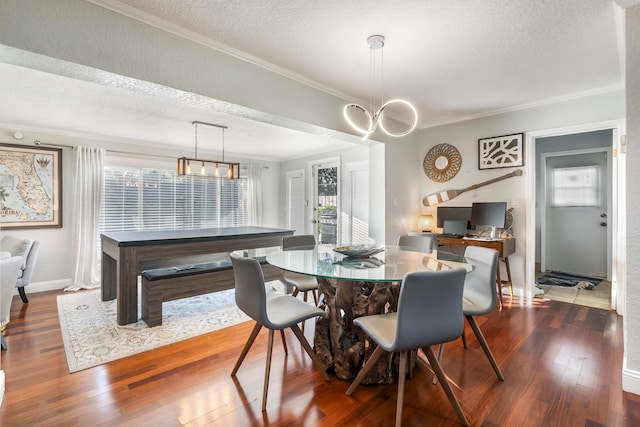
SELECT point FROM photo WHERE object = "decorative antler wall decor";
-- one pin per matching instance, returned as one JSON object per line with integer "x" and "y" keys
{"x": 443, "y": 196}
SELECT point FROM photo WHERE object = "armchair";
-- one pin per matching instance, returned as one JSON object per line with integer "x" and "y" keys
{"x": 9, "y": 268}
{"x": 28, "y": 250}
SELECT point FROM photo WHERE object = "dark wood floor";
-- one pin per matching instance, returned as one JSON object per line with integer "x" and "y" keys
{"x": 562, "y": 365}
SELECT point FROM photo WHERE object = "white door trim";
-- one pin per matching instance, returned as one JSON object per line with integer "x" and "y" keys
{"x": 618, "y": 205}
{"x": 313, "y": 192}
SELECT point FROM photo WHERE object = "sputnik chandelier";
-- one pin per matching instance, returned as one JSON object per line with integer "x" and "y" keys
{"x": 374, "y": 117}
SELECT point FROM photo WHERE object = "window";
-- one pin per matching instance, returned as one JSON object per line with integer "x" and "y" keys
{"x": 136, "y": 199}
{"x": 576, "y": 186}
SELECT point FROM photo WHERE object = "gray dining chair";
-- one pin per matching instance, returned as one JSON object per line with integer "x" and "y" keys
{"x": 480, "y": 297}
{"x": 480, "y": 294}
{"x": 432, "y": 300}
{"x": 275, "y": 312}
{"x": 300, "y": 282}
{"x": 426, "y": 242}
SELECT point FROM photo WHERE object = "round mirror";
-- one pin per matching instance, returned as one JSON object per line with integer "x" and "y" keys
{"x": 442, "y": 162}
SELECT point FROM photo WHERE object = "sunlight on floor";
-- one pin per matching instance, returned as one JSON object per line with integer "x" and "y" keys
{"x": 600, "y": 297}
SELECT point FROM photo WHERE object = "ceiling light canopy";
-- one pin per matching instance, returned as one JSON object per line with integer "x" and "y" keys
{"x": 374, "y": 117}
{"x": 212, "y": 168}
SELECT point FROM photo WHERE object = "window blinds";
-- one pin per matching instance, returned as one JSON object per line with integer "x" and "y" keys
{"x": 136, "y": 199}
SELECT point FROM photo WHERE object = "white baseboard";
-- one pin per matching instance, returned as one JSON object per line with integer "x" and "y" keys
{"x": 1, "y": 386}
{"x": 519, "y": 291}
{"x": 51, "y": 285}
{"x": 630, "y": 379}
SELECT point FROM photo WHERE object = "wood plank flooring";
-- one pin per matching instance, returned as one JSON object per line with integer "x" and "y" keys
{"x": 562, "y": 365}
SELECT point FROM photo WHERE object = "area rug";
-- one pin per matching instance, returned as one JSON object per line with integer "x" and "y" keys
{"x": 558, "y": 278}
{"x": 92, "y": 336}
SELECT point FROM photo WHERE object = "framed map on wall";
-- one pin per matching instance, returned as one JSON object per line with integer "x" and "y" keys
{"x": 30, "y": 187}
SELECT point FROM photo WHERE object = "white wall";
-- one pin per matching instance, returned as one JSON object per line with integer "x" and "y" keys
{"x": 355, "y": 154}
{"x": 54, "y": 266}
{"x": 631, "y": 374}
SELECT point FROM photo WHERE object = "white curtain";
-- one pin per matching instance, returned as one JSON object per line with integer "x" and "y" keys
{"x": 86, "y": 216}
{"x": 254, "y": 187}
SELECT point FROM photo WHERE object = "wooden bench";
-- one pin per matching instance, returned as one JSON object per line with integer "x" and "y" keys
{"x": 167, "y": 284}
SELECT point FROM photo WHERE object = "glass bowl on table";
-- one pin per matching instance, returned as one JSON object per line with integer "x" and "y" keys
{"x": 359, "y": 251}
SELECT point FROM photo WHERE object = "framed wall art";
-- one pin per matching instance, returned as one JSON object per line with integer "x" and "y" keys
{"x": 501, "y": 151}
{"x": 30, "y": 187}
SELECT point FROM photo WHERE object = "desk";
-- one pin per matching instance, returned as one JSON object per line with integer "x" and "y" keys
{"x": 126, "y": 254}
{"x": 357, "y": 287}
{"x": 505, "y": 247}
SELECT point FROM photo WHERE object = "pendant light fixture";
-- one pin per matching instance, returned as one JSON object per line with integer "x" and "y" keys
{"x": 374, "y": 117}
{"x": 211, "y": 168}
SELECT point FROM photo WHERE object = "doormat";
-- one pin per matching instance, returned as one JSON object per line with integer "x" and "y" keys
{"x": 558, "y": 278}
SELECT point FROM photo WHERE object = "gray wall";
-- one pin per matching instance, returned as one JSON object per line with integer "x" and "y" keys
{"x": 631, "y": 379}
{"x": 83, "y": 33}
{"x": 464, "y": 136}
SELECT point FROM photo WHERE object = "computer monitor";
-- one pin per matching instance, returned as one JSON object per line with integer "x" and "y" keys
{"x": 489, "y": 214}
{"x": 453, "y": 213}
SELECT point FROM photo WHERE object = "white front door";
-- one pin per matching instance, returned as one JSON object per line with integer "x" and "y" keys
{"x": 576, "y": 215}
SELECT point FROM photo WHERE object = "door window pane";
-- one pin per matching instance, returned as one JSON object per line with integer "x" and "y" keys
{"x": 576, "y": 186}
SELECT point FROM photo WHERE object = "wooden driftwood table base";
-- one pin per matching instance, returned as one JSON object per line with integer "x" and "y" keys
{"x": 343, "y": 346}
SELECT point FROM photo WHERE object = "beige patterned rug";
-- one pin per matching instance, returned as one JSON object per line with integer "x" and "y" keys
{"x": 92, "y": 336}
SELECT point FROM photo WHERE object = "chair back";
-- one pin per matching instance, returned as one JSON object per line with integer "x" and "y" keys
{"x": 17, "y": 246}
{"x": 480, "y": 289}
{"x": 300, "y": 241}
{"x": 9, "y": 269}
{"x": 426, "y": 242}
{"x": 30, "y": 265}
{"x": 250, "y": 290}
{"x": 429, "y": 309}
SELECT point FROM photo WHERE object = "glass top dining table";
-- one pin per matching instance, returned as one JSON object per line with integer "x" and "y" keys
{"x": 351, "y": 287}
{"x": 390, "y": 265}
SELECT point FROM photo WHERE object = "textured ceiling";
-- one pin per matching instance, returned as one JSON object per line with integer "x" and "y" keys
{"x": 88, "y": 102}
{"x": 454, "y": 59}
